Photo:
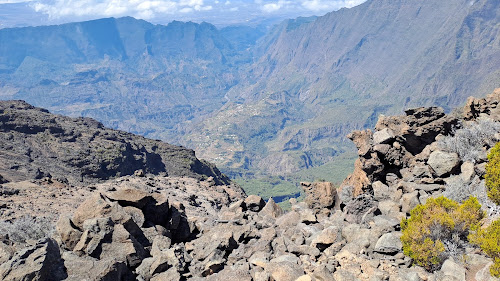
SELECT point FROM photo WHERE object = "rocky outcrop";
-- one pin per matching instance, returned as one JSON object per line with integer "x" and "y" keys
{"x": 35, "y": 144}
{"x": 320, "y": 195}
{"x": 400, "y": 142}
{"x": 155, "y": 228}
{"x": 477, "y": 107}
{"x": 38, "y": 262}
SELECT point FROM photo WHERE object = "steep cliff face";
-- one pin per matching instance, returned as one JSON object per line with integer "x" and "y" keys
{"x": 239, "y": 102}
{"x": 130, "y": 74}
{"x": 37, "y": 144}
{"x": 340, "y": 71}
{"x": 384, "y": 43}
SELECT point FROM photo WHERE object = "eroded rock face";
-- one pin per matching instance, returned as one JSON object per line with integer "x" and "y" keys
{"x": 399, "y": 139}
{"x": 82, "y": 150}
{"x": 488, "y": 106}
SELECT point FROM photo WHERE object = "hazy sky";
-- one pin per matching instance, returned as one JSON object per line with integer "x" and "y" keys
{"x": 219, "y": 12}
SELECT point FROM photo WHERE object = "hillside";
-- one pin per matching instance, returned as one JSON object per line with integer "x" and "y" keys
{"x": 273, "y": 107}
{"x": 130, "y": 74}
{"x": 35, "y": 144}
{"x": 318, "y": 79}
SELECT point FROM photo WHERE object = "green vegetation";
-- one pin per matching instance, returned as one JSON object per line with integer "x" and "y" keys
{"x": 492, "y": 176}
{"x": 436, "y": 229}
{"x": 489, "y": 241}
{"x": 489, "y": 238}
{"x": 278, "y": 186}
{"x": 271, "y": 186}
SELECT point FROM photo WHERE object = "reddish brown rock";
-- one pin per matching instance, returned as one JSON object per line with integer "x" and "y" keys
{"x": 474, "y": 107}
{"x": 320, "y": 194}
{"x": 358, "y": 179}
{"x": 363, "y": 141}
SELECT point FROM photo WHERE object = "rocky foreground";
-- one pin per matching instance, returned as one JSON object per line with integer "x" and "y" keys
{"x": 141, "y": 227}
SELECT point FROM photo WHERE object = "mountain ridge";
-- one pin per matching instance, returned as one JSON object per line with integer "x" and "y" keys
{"x": 37, "y": 144}
{"x": 378, "y": 57}
{"x": 280, "y": 103}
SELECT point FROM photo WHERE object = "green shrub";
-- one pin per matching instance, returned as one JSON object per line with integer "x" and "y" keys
{"x": 492, "y": 176}
{"x": 489, "y": 241}
{"x": 438, "y": 230}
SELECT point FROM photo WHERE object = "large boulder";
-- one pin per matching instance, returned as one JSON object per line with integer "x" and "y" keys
{"x": 360, "y": 208}
{"x": 389, "y": 243}
{"x": 96, "y": 232}
{"x": 326, "y": 237}
{"x": 284, "y": 270}
{"x": 271, "y": 209}
{"x": 87, "y": 268}
{"x": 383, "y": 136}
{"x": 41, "y": 261}
{"x": 254, "y": 203}
{"x": 452, "y": 269}
{"x": 131, "y": 197}
{"x": 104, "y": 239}
{"x": 443, "y": 163}
{"x": 409, "y": 201}
{"x": 68, "y": 233}
{"x": 155, "y": 207}
{"x": 320, "y": 194}
{"x": 97, "y": 206}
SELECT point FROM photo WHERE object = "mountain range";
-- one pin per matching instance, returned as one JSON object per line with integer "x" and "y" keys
{"x": 259, "y": 102}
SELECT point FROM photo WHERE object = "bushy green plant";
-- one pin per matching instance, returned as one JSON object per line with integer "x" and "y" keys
{"x": 439, "y": 229}
{"x": 492, "y": 176}
{"x": 489, "y": 241}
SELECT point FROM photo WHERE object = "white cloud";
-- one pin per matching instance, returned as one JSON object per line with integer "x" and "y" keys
{"x": 13, "y": 1}
{"x": 275, "y": 6}
{"x": 329, "y": 5}
{"x": 271, "y": 7}
{"x": 316, "y": 6}
{"x": 144, "y": 9}
{"x": 185, "y": 10}
{"x": 162, "y": 11}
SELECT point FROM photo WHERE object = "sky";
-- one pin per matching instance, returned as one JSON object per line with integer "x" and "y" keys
{"x": 219, "y": 12}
